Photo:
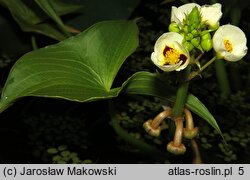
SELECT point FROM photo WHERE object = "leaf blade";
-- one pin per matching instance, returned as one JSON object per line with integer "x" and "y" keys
{"x": 81, "y": 68}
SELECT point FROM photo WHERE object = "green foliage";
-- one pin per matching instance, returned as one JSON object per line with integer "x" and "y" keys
{"x": 31, "y": 18}
{"x": 81, "y": 68}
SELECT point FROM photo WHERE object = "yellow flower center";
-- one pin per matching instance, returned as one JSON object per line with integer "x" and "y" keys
{"x": 228, "y": 45}
{"x": 172, "y": 56}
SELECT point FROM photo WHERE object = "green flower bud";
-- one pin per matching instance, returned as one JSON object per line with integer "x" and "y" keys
{"x": 214, "y": 27}
{"x": 189, "y": 46}
{"x": 191, "y": 28}
{"x": 185, "y": 29}
{"x": 206, "y": 36}
{"x": 173, "y": 27}
{"x": 194, "y": 17}
{"x": 196, "y": 41}
{"x": 182, "y": 34}
{"x": 206, "y": 44}
{"x": 188, "y": 36}
{"x": 195, "y": 32}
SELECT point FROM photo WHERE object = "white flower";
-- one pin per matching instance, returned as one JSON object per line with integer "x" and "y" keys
{"x": 211, "y": 14}
{"x": 169, "y": 53}
{"x": 229, "y": 42}
{"x": 179, "y": 14}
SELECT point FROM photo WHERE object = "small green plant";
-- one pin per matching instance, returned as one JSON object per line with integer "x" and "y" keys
{"x": 61, "y": 155}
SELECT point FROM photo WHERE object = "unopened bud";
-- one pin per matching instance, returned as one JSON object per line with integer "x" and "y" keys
{"x": 188, "y": 36}
{"x": 196, "y": 41}
{"x": 185, "y": 29}
{"x": 194, "y": 18}
{"x": 195, "y": 32}
{"x": 206, "y": 36}
{"x": 189, "y": 46}
{"x": 214, "y": 27}
{"x": 173, "y": 27}
{"x": 206, "y": 44}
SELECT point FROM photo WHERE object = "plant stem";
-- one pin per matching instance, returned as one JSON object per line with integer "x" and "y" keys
{"x": 193, "y": 74}
{"x": 33, "y": 43}
{"x": 235, "y": 75}
{"x": 181, "y": 95}
{"x": 222, "y": 78}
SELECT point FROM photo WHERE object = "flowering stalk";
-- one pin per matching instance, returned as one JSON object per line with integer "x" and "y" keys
{"x": 181, "y": 95}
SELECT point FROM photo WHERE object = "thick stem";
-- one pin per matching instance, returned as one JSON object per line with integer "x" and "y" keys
{"x": 160, "y": 117}
{"x": 189, "y": 119}
{"x": 181, "y": 95}
{"x": 178, "y": 131}
{"x": 222, "y": 78}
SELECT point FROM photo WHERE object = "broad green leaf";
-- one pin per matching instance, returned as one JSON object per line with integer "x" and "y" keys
{"x": 146, "y": 83}
{"x": 81, "y": 68}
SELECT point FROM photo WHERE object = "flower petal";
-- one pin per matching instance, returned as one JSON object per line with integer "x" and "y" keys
{"x": 177, "y": 57}
{"x": 211, "y": 15}
{"x": 235, "y": 38}
{"x": 178, "y": 14}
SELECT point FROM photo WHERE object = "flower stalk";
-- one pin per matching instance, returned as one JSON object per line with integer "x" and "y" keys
{"x": 189, "y": 131}
{"x": 152, "y": 127}
{"x": 193, "y": 74}
{"x": 176, "y": 146}
{"x": 181, "y": 95}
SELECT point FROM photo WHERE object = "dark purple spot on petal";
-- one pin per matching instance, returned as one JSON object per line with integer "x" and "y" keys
{"x": 166, "y": 49}
{"x": 183, "y": 58}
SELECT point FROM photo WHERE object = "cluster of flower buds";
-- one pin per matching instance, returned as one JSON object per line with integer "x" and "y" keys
{"x": 194, "y": 27}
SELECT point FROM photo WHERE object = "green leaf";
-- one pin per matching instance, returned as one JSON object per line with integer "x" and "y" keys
{"x": 29, "y": 19}
{"x": 47, "y": 7}
{"x": 81, "y": 68}
{"x": 43, "y": 28}
{"x": 196, "y": 106}
{"x": 62, "y": 8}
{"x": 146, "y": 83}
